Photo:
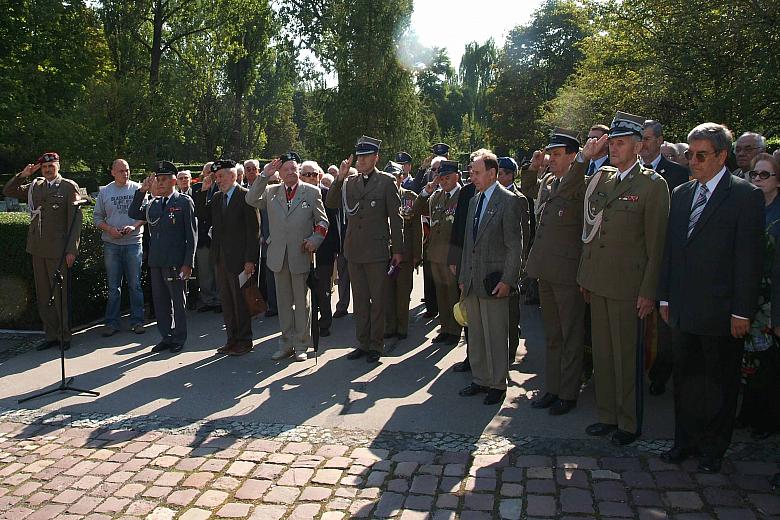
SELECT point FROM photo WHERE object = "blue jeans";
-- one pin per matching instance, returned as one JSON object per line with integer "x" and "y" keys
{"x": 123, "y": 262}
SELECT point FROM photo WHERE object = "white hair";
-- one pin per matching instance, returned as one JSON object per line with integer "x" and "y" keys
{"x": 313, "y": 165}
{"x": 252, "y": 161}
{"x": 760, "y": 139}
{"x": 436, "y": 160}
{"x": 327, "y": 180}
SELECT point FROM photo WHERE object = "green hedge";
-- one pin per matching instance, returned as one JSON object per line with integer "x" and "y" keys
{"x": 17, "y": 288}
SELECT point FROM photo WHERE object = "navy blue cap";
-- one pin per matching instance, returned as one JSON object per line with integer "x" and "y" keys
{"x": 367, "y": 145}
{"x": 447, "y": 167}
{"x": 562, "y": 137}
{"x": 626, "y": 124}
{"x": 403, "y": 158}
{"x": 507, "y": 163}
{"x": 290, "y": 156}
{"x": 222, "y": 163}
{"x": 440, "y": 149}
{"x": 393, "y": 168}
{"x": 165, "y": 168}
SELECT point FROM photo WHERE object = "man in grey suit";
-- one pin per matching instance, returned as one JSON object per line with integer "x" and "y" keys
{"x": 298, "y": 225}
{"x": 171, "y": 220}
{"x": 490, "y": 269}
{"x": 235, "y": 244}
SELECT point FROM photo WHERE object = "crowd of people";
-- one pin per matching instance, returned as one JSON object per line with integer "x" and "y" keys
{"x": 633, "y": 245}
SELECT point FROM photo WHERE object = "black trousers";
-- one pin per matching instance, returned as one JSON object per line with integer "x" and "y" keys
{"x": 664, "y": 359}
{"x": 706, "y": 385}
{"x": 324, "y": 291}
{"x": 429, "y": 289}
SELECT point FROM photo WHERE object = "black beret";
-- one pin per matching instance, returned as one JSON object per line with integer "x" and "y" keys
{"x": 222, "y": 163}
{"x": 290, "y": 156}
{"x": 165, "y": 168}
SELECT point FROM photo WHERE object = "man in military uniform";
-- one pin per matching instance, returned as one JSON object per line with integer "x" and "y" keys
{"x": 51, "y": 200}
{"x": 372, "y": 204}
{"x": 399, "y": 286}
{"x": 405, "y": 160}
{"x": 171, "y": 220}
{"x": 553, "y": 260}
{"x": 439, "y": 200}
{"x": 627, "y": 209}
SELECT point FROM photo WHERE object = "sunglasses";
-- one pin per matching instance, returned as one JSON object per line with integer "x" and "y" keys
{"x": 761, "y": 174}
{"x": 309, "y": 174}
{"x": 700, "y": 156}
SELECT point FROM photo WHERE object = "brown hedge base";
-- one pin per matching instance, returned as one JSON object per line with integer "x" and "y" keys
{"x": 18, "y": 307}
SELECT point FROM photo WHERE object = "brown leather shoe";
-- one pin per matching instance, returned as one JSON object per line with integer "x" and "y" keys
{"x": 239, "y": 349}
{"x": 227, "y": 347}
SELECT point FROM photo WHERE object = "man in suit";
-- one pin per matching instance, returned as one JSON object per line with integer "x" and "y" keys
{"x": 554, "y": 260}
{"x": 627, "y": 208}
{"x": 235, "y": 243}
{"x": 490, "y": 269}
{"x": 602, "y": 159}
{"x": 674, "y": 175}
{"x": 372, "y": 204}
{"x": 184, "y": 182}
{"x": 51, "y": 202}
{"x": 507, "y": 170}
{"x": 207, "y": 282}
{"x": 171, "y": 220}
{"x": 311, "y": 173}
{"x": 746, "y": 148}
{"x": 399, "y": 286}
{"x": 298, "y": 225}
{"x": 709, "y": 293}
{"x": 438, "y": 201}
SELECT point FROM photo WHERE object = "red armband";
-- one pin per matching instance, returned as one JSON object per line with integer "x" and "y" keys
{"x": 321, "y": 230}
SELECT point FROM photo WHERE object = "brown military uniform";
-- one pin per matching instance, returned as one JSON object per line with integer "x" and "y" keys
{"x": 400, "y": 287}
{"x": 440, "y": 206}
{"x": 554, "y": 260}
{"x": 621, "y": 263}
{"x": 372, "y": 206}
{"x": 53, "y": 212}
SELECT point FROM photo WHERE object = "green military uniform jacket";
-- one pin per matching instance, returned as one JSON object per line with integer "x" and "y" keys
{"x": 49, "y": 228}
{"x": 442, "y": 214}
{"x": 374, "y": 219}
{"x": 555, "y": 254}
{"x": 623, "y": 260}
{"x": 412, "y": 225}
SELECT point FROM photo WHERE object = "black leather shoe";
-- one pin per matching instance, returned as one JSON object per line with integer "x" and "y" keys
{"x": 270, "y": 314}
{"x": 600, "y": 429}
{"x": 546, "y": 401}
{"x": 161, "y": 346}
{"x": 176, "y": 348}
{"x": 563, "y": 406}
{"x": 339, "y": 314}
{"x": 675, "y": 456}
{"x": 324, "y": 333}
{"x": 451, "y": 340}
{"x": 472, "y": 389}
{"x": 462, "y": 366}
{"x": 657, "y": 388}
{"x": 48, "y": 344}
{"x": 623, "y": 438}
{"x": 709, "y": 465}
{"x": 440, "y": 338}
{"x": 494, "y": 396}
{"x": 372, "y": 357}
{"x": 355, "y": 354}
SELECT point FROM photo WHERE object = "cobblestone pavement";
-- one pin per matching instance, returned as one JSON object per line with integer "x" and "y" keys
{"x": 71, "y": 467}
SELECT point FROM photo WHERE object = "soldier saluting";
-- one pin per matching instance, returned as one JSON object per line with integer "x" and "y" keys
{"x": 51, "y": 201}
{"x": 171, "y": 220}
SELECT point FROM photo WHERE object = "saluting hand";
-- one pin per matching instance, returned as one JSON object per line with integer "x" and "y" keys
{"x": 147, "y": 184}
{"x": 29, "y": 170}
{"x": 208, "y": 180}
{"x": 344, "y": 167}
{"x": 537, "y": 160}
{"x": 272, "y": 168}
{"x": 594, "y": 147}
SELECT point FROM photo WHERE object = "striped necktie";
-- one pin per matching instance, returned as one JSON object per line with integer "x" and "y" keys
{"x": 698, "y": 207}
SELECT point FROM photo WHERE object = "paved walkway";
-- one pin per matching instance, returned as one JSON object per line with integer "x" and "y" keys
{"x": 198, "y": 435}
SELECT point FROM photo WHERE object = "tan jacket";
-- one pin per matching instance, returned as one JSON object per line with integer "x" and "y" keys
{"x": 49, "y": 229}
{"x": 623, "y": 260}
{"x": 412, "y": 244}
{"x": 375, "y": 224}
{"x": 442, "y": 214}
{"x": 289, "y": 227}
{"x": 555, "y": 254}
{"x": 498, "y": 246}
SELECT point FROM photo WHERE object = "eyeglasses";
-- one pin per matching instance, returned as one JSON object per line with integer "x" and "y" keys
{"x": 700, "y": 156}
{"x": 746, "y": 149}
{"x": 309, "y": 174}
{"x": 761, "y": 174}
{"x": 435, "y": 169}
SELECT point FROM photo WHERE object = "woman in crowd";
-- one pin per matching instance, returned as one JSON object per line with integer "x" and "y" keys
{"x": 761, "y": 364}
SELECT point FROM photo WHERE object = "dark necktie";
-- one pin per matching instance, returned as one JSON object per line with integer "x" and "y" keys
{"x": 698, "y": 207}
{"x": 649, "y": 166}
{"x": 555, "y": 184}
{"x": 225, "y": 202}
{"x": 164, "y": 203}
{"x": 477, "y": 214}
{"x": 617, "y": 179}
{"x": 591, "y": 168}
{"x": 289, "y": 193}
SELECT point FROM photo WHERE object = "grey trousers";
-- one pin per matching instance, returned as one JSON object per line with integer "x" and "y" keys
{"x": 207, "y": 281}
{"x": 292, "y": 296}
{"x": 343, "y": 274}
{"x": 488, "y": 344}
{"x": 169, "y": 304}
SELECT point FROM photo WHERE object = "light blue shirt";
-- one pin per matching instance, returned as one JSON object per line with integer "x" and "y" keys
{"x": 229, "y": 194}
{"x": 487, "y": 194}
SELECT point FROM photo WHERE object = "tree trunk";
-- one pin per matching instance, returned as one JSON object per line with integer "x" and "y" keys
{"x": 156, "y": 54}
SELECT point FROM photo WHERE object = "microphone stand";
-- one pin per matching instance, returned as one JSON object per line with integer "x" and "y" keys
{"x": 57, "y": 284}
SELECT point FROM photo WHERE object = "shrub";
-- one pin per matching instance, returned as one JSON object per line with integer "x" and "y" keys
{"x": 17, "y": 287}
